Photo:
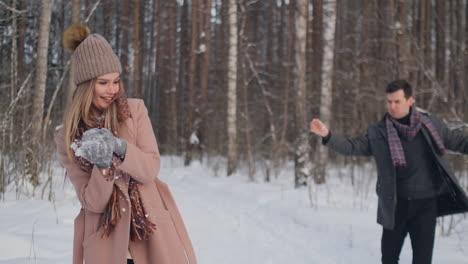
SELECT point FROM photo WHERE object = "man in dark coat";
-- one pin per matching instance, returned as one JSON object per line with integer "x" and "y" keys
{"x": 414, "y": 181}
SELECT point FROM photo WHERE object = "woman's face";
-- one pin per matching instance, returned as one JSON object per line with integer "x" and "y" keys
{"x": 106, "y": 90}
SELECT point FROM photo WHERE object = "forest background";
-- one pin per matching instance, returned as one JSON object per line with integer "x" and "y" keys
{"x": 234, "y": 81}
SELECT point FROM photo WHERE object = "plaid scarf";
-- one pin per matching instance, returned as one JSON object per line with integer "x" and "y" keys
{"x": 140, "y": 226}
{"x": 395, "y": 128}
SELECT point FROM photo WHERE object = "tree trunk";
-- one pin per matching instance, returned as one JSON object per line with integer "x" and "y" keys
{"x": 107, "y": 14}
{"x": 192, "y": 139}
{"x": 183, "y": 76}
{"x": 243, "y": 86}
{"x": 367, "y": 113}
{"x": 232, "y": 89}
{"x": 159, "y": 87}
{"x": 326, "y": 89}
{"x": 465, "y": 111}
{"x": 456, "y": 50}
{"x": 317, "y": 44}
{"x": 204, "y": 50}
{"x": 440, "y": 29}
{"x": 39, "y": 88}
{"x": 23, "y": 113}
{"x": 136, "y": 50}
{"x": 13, "y": 68}
{"x": 401, "y": 35}
{"x": 302, "y": 148}
{"x": 286, "y": 61}
{"x": 426, "y": 44}
{"x": 76, "y": 7}
{"x": 124, "y": 49}
{"x": 171, "y": 88}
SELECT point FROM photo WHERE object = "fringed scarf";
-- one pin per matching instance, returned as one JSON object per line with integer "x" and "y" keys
{"x": 141, "y": 227}
{"x": 395, "y": 128}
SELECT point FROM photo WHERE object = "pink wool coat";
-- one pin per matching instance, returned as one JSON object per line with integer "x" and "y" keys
{"x": 169, "y": 244}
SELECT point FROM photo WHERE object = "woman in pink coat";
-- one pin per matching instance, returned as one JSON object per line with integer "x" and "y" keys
{"x": 108, "y": 148}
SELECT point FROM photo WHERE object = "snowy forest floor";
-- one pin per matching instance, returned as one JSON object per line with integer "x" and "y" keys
{"x": 232, "y": 220}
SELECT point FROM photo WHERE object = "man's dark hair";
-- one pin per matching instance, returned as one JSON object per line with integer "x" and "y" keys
{"x": 400, "y": 84}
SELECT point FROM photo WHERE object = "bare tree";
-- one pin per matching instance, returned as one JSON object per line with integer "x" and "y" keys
{"x": 171, "y": 88}
{"x": 182, "y": 83}
{"x": 232, "y": 89}
{"x": 204, "y": 53}
{"x": 326, "y": 89}
{"x": 107, "y": 14}
{"x": 14, "y": 67}
{"x": 39, "y": 88}
{"x": 302, "y": 147}
{"x": 137, "y": 89}
{"x": 243, "y": 87}
{"x": 124, "y": 48}
{"x": 401, "y": 35}
{"x": 192, "y": 139}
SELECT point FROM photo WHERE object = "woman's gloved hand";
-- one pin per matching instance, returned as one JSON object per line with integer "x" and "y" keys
{"x": 98, "y": 145}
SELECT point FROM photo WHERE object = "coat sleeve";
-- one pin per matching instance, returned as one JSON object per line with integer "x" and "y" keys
{"x": 142, "y": 160}
{"x": 92, "y": 189}
{"x": 358, "y": 146}
{"x": 454, "y": 140}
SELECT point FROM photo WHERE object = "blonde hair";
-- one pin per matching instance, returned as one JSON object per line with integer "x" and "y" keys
{"x": 79, "y": 110}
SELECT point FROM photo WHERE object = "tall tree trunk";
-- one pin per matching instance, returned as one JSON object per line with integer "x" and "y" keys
{"x": 367, "y": 113}
{"x": 107, "y": 14}
{"x": 22, "y": 114}
{"x": 39, "y": 88}
{"x": 326, "y": 89}
{"x": 21, "y": 40}
{"x": 347, "y": 47}
{"x": 204, "y": 50}
{"x": 76, "y": 7}
{"x": 317, "y": 44}
{"x": 159, "y": 91}
{"x": 302, "y": 148}
{"x": 124, "y": 49}
{"x": 456, "y": 50}
{"x": 13, "y": 68}
{"x": 440, "y": 61}
{"x": 243, "y": 86}
{"x": 286, "y": 63}
{"x": 183, "y": 75}
{"x": 232, "y": 89}
{"x": 171, "y": 88}
{"x": 426, "y": 44}
{"x": 466, "y": 60}
{"x": 136, "y": 50}
{"x": 316, "y": 58}
{"x": 192, "y": 139}
{"x": 401, "y": 35}
{"x": 440, "y": 29}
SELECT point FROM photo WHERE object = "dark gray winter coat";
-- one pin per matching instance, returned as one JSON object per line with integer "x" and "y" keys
{"x": 375, "y": 144}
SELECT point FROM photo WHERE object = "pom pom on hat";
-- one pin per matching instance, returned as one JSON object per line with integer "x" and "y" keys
{"x": 74, "y": 35}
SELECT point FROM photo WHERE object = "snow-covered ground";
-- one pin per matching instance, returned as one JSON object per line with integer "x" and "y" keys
{"x": 231, "y": 220}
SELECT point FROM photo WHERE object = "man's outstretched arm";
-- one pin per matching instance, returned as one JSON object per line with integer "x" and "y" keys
{"x": 358, "y": 146}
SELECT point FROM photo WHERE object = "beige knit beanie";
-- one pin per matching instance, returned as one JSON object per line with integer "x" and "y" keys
{"x": 92, "y": 55}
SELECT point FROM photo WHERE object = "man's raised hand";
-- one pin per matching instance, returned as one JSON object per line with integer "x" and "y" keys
{"x": 317, "y": 127}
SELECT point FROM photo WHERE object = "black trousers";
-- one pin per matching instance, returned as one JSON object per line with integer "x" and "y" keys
{"x": 418, "y": 218}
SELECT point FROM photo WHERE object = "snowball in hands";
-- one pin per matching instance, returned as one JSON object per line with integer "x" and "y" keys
{"x": 98, "y": 145}
{"x": 119, "y": 146}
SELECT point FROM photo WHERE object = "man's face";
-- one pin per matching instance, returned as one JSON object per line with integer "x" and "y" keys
{"x": 397, "y": 105}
